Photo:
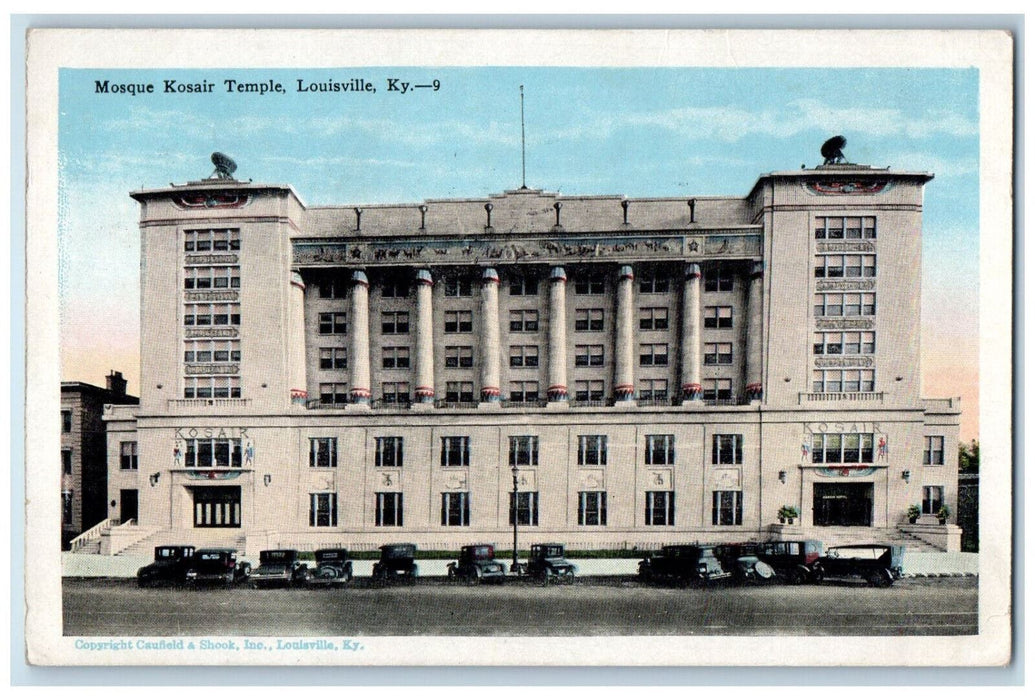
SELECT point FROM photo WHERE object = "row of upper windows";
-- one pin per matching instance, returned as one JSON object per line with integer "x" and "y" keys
{"x": 715, "y": 280}
{"x": 212, "y": 315}
{"x": 845, "y": 227}
{"x": 211, "y": 278}
{"x": 212, "y": 351}
{"x": 211, "y": 240}
{"x": 838, "y": 266}
{"x": 524, "y": 450}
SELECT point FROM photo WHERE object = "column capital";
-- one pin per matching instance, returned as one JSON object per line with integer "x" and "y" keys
{"x": 360, "y": 277}
{"x": 757, "y": 270}
{"x": 693, "y": 271}
{"x": 297, "y": 281}
{"x": 625, "y": 272}
{"x": 490, "y": 276}
{"x": 557, "y": 275}
{"x": 424, "y": 277}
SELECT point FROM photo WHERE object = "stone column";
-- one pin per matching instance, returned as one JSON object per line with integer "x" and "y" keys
{"x": 753, "y": 362}
{"x": 296, "y": 350}
{"x": 691, "y": 340}
{"x": 359, "y": 340}
{"x": 625, "y": 388}
{"x": 424, "y": 392}
{"x": 490, "y": 339}
{"x": 558, "y": 337}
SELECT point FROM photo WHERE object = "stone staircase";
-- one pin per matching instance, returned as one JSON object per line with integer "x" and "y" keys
{"x": 865, "y": 535}
{"x": 198, "y": 537}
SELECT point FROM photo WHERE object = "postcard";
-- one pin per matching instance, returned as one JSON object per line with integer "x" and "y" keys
{"x": 487, "y": 347}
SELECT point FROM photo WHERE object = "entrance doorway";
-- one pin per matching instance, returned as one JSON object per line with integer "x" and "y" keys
{"x": 842, "y": 505}
{"x": 128, "y": 505}
{"x": 217, "y": 506}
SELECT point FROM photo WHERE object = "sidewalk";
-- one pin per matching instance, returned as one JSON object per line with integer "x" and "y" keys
{"x": 915, "y": 564}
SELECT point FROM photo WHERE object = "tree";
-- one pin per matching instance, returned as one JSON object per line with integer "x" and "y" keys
{"x": 970, "y": 457}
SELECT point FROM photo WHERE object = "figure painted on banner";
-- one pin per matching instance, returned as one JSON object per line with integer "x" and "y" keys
{"x": 806, "y": 448}
{"x": 249, "y": 452}
{"x": 177, "y": 453}
{"x": 882, "y": 447}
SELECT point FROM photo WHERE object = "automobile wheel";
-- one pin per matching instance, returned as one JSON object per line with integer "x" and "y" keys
{"x": 472, "y": 577}
{"x": 817, "y": 574}
{"x": 411, "y": 579}
{"x": 246, "y": 570}
{"x": 451, "y": 573}
{"x": 874, "y": 578}
{"x": 797, "y": 577}
{"x": 886, "y": 579}
{"x": 568, "y": 578}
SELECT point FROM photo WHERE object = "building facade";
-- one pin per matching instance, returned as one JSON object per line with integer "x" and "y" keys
{"x": 645, "y": 371}
{"x": 84, "y": 460}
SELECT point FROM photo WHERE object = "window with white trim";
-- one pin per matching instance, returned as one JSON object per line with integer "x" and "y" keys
{"x": 845, "y": 266}
{"x": 592, "y": 450}
{"x": 653, "y": 389}
{"x": 718, "y": 353}
{"x": 589, "y": 355}
{"x": 728, "y": 449}
{"x": 653, "y": 354}
{"x": 589, "y": 320}
{"x": 212, "y": 452}
{"x": 334, "y": 358}
{"x": 524, "y": 321}
{"x": 660, "y": 450}
{"x": 592, "y": 508}
{"x": 334, "y": 393}
{"x": 323, "y": 452}
{"x": 395, "y": 357}
{"x": 456, "y": 451}
{"x": 332, "y": 324}
{"x": 727, "y": 508}
{"x": 524, "y": 391}
{"x": 395, "y": 392}
{"x": 842, "y": 448}
{"x": 934, "y": 499}
{"x": 524, "y": 450}
{"x": 527, "y": 508}
{"x": 459, "y": 356}
{"x": 323, "y": 510}
{"x": 718, "y": 317}
{"x": 835, "y": 381}
{"x": 653, "y": 318}
{"x": 458, "y": 321}
{"x": 200, "y": 241}
{"x": 128, "y": 457}
{"x": 660, "y": 508}
{"x": 456, "y": 509}
{"x": 388, "y": 509}
{"x": 395, "y": 322}
{"x": 934, "y": 450}
{"x": 388, "y": 451}
{"x": 458, "y": 392}
{"x": 840, "y": 227}
{"x": 524, "y": 355}
{"x": 589, "y": 390}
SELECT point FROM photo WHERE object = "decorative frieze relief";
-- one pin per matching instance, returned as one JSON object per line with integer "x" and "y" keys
{"x": 847, "y": 361}
{"x": 227, "y": 295}
{"x": 212, "y": 369}
{"x": 844, "y": 324}
{"x": 213, "y": 259}
{"x": 844, "y": 285}
{"x": 846, "y": 186}
{"x": 210, "y": 333}
{"x": 845, "y": 247}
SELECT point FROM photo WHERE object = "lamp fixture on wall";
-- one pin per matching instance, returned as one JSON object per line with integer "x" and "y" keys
{"x": 906, "y": 475}
{"x": 153, "y": 479}
{"x": 267, "y": 479}
{"x": 783, "y": 476}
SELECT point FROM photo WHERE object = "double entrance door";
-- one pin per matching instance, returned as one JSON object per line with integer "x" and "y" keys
{"x": 217, "y": 506}
{"x": 842, "y": 505}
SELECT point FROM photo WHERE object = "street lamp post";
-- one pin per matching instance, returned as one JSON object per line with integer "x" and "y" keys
{"x": 514, "y": 517}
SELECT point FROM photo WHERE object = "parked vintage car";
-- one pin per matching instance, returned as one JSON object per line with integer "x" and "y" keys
{"x": 396, "y": 564}
{"x": 878, "y": 564}
{"x": 333, "y": 568}
{"x": 217, "y": 565}
{"x": 279, "y": 567}
{"x": 683, "y": 564}
{"x": 477, "y": 564}
{"x": 547, "y": 564}
{"x": 741, "y": 560}
{"x": 795, "y": 561}
{"x": 170, "y": 565}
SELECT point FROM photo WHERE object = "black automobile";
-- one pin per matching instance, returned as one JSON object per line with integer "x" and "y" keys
{"x": 879, "y": 564}
{"x": 795, "y": 561}
{"x": 396, "y": 564}
{"x": 476, "y": 564}
{"x": 279, "y": 567}
{"x": 683, "y": 564}
{"x": 333, "y": 568}
{"x": 742, "y": 561}
{"x": 217, "y": 565}
{"x": 546, "y": 564}
{"x": 170, "y": 566}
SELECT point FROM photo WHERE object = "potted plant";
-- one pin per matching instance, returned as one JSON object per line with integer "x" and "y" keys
{"x": 787, "y": 513}
{"x": 943, "y": 514}
{"x": 913, "y": 512}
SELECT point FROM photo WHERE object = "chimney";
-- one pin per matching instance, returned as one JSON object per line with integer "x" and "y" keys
{"x": 116, "y": 384}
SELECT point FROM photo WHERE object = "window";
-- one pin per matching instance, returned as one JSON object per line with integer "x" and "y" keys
{"x": 66, "y": 461}
{"x": 395, "y": 357}
{"x": 333, "y": 289}
{"x": 333, "y": 358}
{"x": 589, "y": 390}
{"x": 524, "y": 355}
{"x": 459, "y": 392}
{"x": 934, "y": 450}
{"x": 527, "y": 508}
{"x": 524, "y": 286}
{"x": 66, "y": 508}
{"x": 718, "y": 317}
{"x": 323, "y": 452}
{"x": 205, "y": 387}
{"x": 524, "y": 321}
{"x": 864, "y": 304}
{"x": 718, "y": 280}
{"x": 459, "y": 356}
{"x": 210, "y": 452}
{"x": 457, "y": 287}
{"x": 842, "y": 448}
{"x": 456, "y": 509}
{"x": 212, "y": 315}
{"x": 653, "y": 354}
{"x": 395, "y": 322}
{"x": 388, "y": 510}
{"x": 589, "y": 285}
{"x": 835, "y": 266}
{"x": 524, "y": 391}
{"x": 653, "y": 319}
{"x": 66, "y": 421}
{"x": 458, "y": 322}
{"x": 660, "y": 449}
{"x": 934, "y": 498}
{"x": 592, "y": 508}
{"x": 727, "y": 449}
{"x": 205, "y": 240}
{"x": 333, "y": 393}
{"x": 592, "y": 450}
{"x": 727, "y": 508}
{"x": 719, "y": 389}
{"x": 718, "y": 353}
{"x": 861, "y": 343}
{"x": 211, "y": 277}
{"x": 332, "y": 324}
{"x": 395, "y": 392}
{"x": 524, "y": 450}
{"x": 836, "y": 227}
{"x": 202, "y": 351}
{"x": 389, "y": 452}
{"x": 835, "y": 381}
{"x": 323, "y": 510}
{"x": 395, "y": 289}
{"x": 653, "y": 389}
{"x": 127, "y": 455}
{"x": 589, "y": 355}
{"x": 456, "y": 451}
{"x": 661, "y": 508}
{"x": 653, "y": 284}
{"x": 589, "y": 320}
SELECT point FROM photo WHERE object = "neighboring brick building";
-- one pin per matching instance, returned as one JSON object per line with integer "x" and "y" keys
{"x": 84, "y": 460}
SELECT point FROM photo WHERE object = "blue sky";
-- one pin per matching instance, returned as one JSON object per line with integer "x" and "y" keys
{"x": 635, "y": 132}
